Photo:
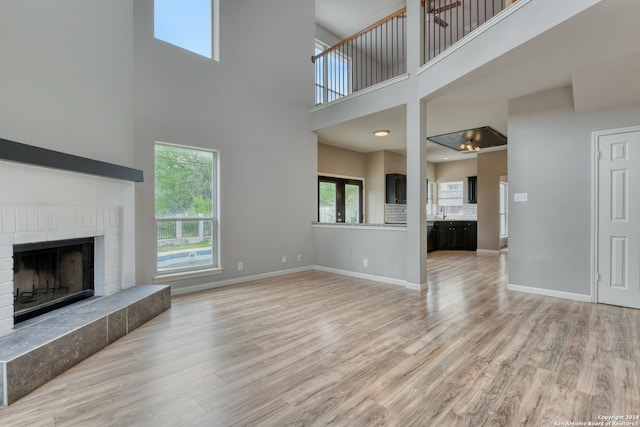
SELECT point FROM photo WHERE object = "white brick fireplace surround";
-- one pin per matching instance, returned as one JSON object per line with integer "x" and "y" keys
{"x": 40, "y": 204}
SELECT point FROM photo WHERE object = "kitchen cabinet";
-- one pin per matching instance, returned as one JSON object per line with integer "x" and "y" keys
{"x": 431, "y": 236}
{"x": 396, "y": 189}
{"x": 456, "y": 235}
{"x": 472, "y": 189}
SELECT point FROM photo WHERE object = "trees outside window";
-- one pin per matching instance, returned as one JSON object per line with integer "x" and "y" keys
{"x": 186, "y": 208}
{"x": 339, "y": 200}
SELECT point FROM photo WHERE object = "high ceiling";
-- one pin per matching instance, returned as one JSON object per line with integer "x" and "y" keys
{"x": 575, "y": 47}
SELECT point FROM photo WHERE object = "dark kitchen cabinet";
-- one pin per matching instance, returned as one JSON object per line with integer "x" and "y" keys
{"x": 456, "y": 235}
{"x": 471, "y": 235}
{"x": 431, "y": 236}
{"x": 472, "y": 189}
{"x": 396, "y": 189}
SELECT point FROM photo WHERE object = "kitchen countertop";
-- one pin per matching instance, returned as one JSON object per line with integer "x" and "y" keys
{"x": 452, "y": 219}
{"x": 343, "y": 224}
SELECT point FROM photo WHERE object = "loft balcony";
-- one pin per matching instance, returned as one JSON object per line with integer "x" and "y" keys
{"x": 379, "y": 52}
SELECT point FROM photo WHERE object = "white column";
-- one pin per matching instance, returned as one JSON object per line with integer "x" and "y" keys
{"x": 416, "y": 195}
{"x": 416, "y": 158}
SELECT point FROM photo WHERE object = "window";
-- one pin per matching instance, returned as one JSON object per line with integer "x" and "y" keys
{"x": 450, "y": 198}
{"x": 186, "y": 208}
{"x": 186, "y": 24}
{"x": 339, "y": 200}
{"x": 333, "y": 75}
{"x": 504, "y": 199}
{"x": 431, "y": 201}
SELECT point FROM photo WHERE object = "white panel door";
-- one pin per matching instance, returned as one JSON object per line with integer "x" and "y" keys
{"x": 619, "y": 219}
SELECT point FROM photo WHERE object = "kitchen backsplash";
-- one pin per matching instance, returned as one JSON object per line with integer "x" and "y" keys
{"x": 465, "y": 211}
{"x": 397, "y": 214}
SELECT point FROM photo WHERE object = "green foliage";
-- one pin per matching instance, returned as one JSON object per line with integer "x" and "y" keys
{"x": 183, "y": 181}
{"x": 327, "y": 194}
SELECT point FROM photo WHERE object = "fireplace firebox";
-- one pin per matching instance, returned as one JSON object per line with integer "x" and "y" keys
{"x": 50, "y": 275}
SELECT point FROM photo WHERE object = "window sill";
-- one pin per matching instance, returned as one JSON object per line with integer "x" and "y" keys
{"x": 167, "y": 277}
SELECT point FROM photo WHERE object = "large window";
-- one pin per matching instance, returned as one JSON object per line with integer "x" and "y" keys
{"x": 333, "y": 75}
{"x": 186, "y": 208}
{"x": 186, "y": 24}
{"x": 339, "y": 200}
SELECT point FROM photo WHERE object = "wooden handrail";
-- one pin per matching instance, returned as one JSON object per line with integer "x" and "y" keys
{"x": 359, "y": 33}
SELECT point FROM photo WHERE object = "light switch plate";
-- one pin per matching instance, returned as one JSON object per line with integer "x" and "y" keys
{"x": 520, "y": 197}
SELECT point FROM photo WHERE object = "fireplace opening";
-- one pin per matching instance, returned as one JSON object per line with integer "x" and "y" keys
{"x": 50, "y": 275}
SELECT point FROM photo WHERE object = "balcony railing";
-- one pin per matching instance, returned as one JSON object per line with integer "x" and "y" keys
{"x": 378, "y": 52}
{"x": 370, "y": 56}
{"x": 444, "y": 22}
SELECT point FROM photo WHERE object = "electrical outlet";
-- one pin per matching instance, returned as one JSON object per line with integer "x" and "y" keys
{"x": 284, "y": 259}
{"x": 299, "y": 257}
{"x": 240, "y": 266}
{"x": 365, "y": 262}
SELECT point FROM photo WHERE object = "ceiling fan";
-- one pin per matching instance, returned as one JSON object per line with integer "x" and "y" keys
{"x": 433, "y": 10}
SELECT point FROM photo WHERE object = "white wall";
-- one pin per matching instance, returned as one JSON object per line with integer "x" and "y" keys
{"x": 66, "y": 76}
{"x": 253, "y": 106}
{"x": 550, "y": 160}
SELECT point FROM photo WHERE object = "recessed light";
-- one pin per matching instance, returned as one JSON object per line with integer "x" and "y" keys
{"x": 445, "y": 158}
{"x": 382, "y": 132}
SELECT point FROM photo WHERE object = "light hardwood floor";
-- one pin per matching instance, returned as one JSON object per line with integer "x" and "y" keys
{"x": 319, "y": 349}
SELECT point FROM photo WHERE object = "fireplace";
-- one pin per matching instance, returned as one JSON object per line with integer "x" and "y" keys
{"x": 50, "y": 275}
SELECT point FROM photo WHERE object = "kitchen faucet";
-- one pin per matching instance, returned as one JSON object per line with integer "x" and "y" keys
{"x": 444, "y": 215}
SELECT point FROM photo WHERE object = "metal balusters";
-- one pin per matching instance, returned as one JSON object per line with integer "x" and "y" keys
{"x": 362, "y": 60}
{"x": 445, "y": 22}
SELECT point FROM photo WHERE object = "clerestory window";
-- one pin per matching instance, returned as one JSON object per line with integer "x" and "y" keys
{"x": 333, "y": 75}
{"x": 188, "y": 24}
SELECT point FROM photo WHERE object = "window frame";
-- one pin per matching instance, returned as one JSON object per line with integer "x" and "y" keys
{"x": 341, "y": 183}
{"x": 215, "y": 266}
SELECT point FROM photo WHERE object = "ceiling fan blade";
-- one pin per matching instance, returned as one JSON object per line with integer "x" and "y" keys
{"x": 445, "y": 8}
{"x": 440, "y": 22}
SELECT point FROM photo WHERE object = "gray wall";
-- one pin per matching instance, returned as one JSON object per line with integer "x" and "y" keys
{"x": 66, "y": 76}
{"x": 253, "y": 106}
{"x": 345, "y": 248}
{"x": 550, "y": 159}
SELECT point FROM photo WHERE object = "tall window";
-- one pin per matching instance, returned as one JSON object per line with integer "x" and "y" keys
{"x": 339, "y": 200}
{"x": 504, "y": 202}
{"x": 450, "y": 197}
{"x": 333, "y": 75}
{"x": 186, "y": 208}
{"x": 186, "y": 24}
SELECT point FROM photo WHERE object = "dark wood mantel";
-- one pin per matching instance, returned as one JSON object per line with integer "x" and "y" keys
{"x": 22, "y": 153}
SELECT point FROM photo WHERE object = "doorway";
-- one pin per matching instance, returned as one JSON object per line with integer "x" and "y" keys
{"x": 617, "y": 217}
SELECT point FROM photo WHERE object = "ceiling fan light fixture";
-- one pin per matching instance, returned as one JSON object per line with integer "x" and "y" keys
{"x": 381, "y": 132}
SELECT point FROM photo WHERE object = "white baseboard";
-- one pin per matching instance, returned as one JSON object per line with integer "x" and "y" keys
{"x": 487, "y": 251}
{"x": 238, "y": 280}
{"x": 550, "y": 293}
{"x": 372, "y": 277}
